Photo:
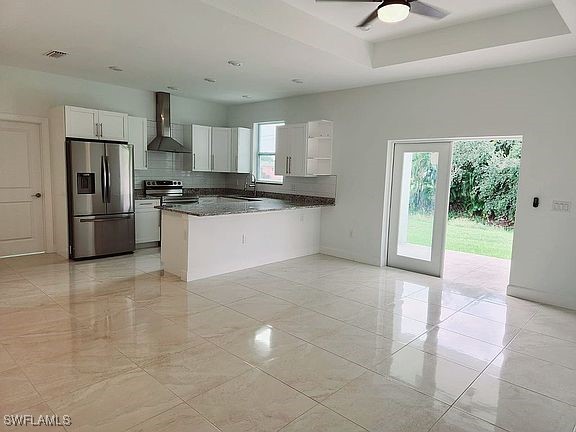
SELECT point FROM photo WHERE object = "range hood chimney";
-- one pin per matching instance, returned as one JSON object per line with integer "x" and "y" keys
{"x": 164, "y": 141}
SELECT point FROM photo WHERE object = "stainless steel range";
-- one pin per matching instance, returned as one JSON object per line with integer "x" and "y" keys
{"x": 169, "y": 192}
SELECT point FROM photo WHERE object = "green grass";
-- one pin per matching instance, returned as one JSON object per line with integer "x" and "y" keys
{"x": 464, "y": 235}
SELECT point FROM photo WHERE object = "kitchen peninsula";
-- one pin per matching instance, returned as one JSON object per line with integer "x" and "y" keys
{"x": 222, "y": 234}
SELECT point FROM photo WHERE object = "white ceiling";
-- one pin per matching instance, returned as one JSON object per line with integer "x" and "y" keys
{"x": 180, "y": 42}
{"x": 346, "y": 15}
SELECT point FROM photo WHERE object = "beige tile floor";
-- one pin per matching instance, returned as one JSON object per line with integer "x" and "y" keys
{"x": 311, "y": 344}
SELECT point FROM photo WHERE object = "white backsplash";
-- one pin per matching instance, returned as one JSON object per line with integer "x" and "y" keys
{"x": 322, "y": 186}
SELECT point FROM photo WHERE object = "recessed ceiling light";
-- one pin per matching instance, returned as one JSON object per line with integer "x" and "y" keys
{"x": 115, "y": 68}
{"x": 298, "y": 81}
{"x": 172, "y": 88}
{"x": 246, "y": 97}
{"x": 234, "y": 63}
{"x": 210, "y": 80}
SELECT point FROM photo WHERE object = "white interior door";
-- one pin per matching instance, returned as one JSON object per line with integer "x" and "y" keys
{"x": 419, "y": 206}
{"x": 21, "y": 214}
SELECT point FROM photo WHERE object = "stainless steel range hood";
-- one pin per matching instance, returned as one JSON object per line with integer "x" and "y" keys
{"x": 164, "y": 141}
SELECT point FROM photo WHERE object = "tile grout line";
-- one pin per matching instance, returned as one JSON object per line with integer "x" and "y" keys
{"x": 483, "y": 373}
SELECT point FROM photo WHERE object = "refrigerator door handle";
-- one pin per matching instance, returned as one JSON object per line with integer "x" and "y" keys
{"x": 104, "y": 178}
{"x": 108, "y": 179}
{"x": 105, "y": 219}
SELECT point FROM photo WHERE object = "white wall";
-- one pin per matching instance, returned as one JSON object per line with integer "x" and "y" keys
{"x": 537, "y": 101}
{"x": 30, "y": 92}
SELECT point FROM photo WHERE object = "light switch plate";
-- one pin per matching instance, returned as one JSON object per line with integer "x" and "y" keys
{"x": 561, "y": 206}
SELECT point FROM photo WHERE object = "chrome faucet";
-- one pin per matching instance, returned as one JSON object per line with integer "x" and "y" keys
{"x": 250, "y": 183}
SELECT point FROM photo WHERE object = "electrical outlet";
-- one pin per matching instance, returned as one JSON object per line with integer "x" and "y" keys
{"x": 561, "y": 206}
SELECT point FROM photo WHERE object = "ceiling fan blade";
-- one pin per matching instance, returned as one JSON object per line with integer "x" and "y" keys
{"x": 368, "y": 19}
{"x": 421, "y": 8}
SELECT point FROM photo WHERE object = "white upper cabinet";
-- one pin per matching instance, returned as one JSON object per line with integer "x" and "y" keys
{"x": 138, "y": 137}
{"x": 81, "y": 123}
{"x": 221, "y": 149}
{"x": 113, "y": 126}
{"x": 201, "y": 148}
{"x": 304, "y": 150}
{"x": 283, "y": 149}
{"x": 95, "y": 124}
{"x": 298, "y": 150}
{"x": 241, "y": 150}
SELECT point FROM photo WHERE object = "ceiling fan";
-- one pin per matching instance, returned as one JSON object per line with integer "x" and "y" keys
{"x": 391, "y": 11}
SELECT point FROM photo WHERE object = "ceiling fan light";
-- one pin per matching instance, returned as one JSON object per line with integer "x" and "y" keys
{"x": 394, "y": 12}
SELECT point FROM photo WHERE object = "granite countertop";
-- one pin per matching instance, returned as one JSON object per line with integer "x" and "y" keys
{"x": 226, "y": 205}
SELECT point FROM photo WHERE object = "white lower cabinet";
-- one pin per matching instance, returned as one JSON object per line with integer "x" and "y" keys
{"x": 147, "y": 221}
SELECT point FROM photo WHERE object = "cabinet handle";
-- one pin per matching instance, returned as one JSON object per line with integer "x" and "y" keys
{"x": 286, "y": 166}
{"x": 289, "y": 164}
{"x": 212, "y": 162}
{"x": 193, "y": 161}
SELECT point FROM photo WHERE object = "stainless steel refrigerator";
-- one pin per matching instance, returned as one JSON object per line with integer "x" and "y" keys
{"x": 100, "y": 198}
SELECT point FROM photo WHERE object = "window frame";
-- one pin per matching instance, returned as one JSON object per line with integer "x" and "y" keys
{"x": 258, "y": 153}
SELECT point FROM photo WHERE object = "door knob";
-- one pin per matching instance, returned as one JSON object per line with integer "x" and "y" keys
{"x": 37, "y": 195}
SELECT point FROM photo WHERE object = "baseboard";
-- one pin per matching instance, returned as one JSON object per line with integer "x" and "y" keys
{"x": 147, "y": 245}
{"x": 560, "y": 300}
{"x": 344, "y": 254}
